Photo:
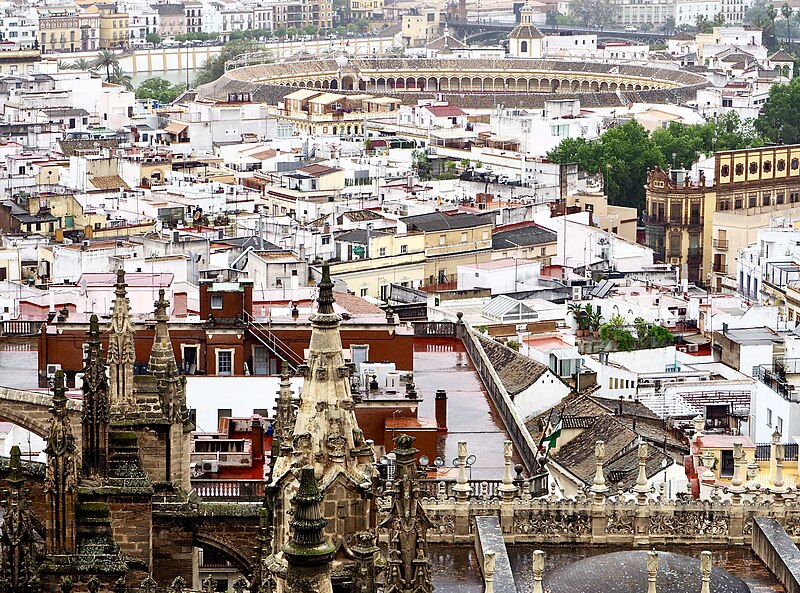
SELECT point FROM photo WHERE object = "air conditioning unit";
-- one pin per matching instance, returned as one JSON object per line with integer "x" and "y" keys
{"x": 392, "y": 381}
{"x": 691, "y": 347}
{"x": 51, "y": 370}
{"x": 210, "y": 466}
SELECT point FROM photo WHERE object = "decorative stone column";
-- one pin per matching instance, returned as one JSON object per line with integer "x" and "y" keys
{"x": 652, "y": 570}
{"x": 462, "y": 491}
{"x": 538, "y": 571}
{"x": 707, "y": 477}
{"x": 705, "y": 572}
{"x": 641, "y": 534}
{"x": 508, "y": 491}
{"x": 488, "y": 572}
{"x": 598, "y": 490}
{"x": 736, "y": 528}
{"x": 778, "y": 485}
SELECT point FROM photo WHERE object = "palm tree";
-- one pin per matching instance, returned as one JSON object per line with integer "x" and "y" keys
{"x": 119, "y": 77}
{"x": 105, "y": 59}
{"x": 772, "y": 14}
{"x": 81, "y": 64}
{"x": 786, "y": 12}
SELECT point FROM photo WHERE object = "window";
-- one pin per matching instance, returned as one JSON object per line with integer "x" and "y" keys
{"x": 779, "y": 425}
{"x": 769, "y": 417}
{"x": 725, "y": 170}
{"x": 382, "y": 251}
{"x": 739, "y": 169}
{"x": 767, "y": 166}
{"x": 781, "y": 165}
{"x": 364, "y": 292}
{"x": 442, "y": 239}
{"x": 753, "y": 168}
{"x": 463, "y": 237}
{"x": 795, "y": 164}
{"x": 216, "y": 302}
{"x": 189, "y": 359}
{"x": 404, "y": 249}
{"x": 225, "y": 362}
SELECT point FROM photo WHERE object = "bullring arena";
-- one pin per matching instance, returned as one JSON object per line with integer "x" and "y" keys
{"x": 468, "y": 82}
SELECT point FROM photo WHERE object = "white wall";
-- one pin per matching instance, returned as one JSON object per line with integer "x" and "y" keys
{"x": 203, "y": 394}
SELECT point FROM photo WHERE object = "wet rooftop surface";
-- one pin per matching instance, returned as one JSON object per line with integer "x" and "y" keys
{"x": 455, "y": 568}
{"x": 445, "y": 364}
{"x": 19, "y": 361}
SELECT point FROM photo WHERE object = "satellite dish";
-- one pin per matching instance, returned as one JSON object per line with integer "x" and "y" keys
{"x": 383, "y": 460}
{"x": 424, "y": 460}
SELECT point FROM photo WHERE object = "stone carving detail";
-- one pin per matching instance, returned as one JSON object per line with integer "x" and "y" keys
{"x": 121, "y": 353}
{"x": 552, "y": 523}
{"x": 95, "y": 410}
{"x": 620, "y": 523}
{"x": 18, "y": 564}
{"x": 61, "y": 476}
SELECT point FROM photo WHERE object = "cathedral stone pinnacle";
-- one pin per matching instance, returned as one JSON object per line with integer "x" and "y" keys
{"x": 121, "y": 352}
{"x": 95, "y": 411}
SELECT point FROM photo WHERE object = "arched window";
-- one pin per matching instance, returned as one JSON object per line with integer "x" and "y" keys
{"x": 523, "y": 47}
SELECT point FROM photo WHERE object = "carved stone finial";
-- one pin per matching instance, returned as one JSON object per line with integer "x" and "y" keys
{"x": 308, "y": 544}
{"x": 538, "y": 570}
{"x": 705, "y": 572}
{"x": 325, "y": 298}
{"x": 652, "y": 570}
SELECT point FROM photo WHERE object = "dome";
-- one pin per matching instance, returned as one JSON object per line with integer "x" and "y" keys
{"x": 626, "y": 572}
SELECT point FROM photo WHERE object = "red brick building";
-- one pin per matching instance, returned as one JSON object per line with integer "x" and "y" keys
{"x": 228, "y": 339}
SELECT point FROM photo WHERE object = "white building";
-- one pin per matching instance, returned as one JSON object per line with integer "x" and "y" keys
{"x": 774, "y": 258}
{"x": 501, "y": 276}
{"x": 688, "y": 11}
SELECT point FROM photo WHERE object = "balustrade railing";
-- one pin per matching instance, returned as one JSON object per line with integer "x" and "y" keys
{"x": 229, "y": 490}
{"x": 20, "y": 327}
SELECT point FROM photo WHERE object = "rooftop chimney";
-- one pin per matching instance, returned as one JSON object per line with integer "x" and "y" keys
{"x": 441, "y": 410}
{"x": 257, "y": 437}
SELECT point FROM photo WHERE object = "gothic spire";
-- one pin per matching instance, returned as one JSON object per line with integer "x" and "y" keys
{"x": 61, "y": 478}
{"x": 95, "y": 411}
{"x": 121, "y": 351}
{"x": 308, "y": 544}
{"x": 162, "y": 357}
{"x": 408, "y": 569}
{"x": 284, "y": 415}
{"x": 172, "y": 388}
{"x": 308, "y": 552}
{"x": 17, "y": 547}
{"x": 326, "y": 432}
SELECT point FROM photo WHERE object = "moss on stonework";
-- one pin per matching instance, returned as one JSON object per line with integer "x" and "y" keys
{"x": 123, "y": 438}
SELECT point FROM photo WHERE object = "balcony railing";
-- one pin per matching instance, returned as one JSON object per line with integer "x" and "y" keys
{"x": 230, "y": 490}
{"x": 774, "y": 377}
{"x": 720, "y": 268}
{"x": 763, "y": 451}
{"x": 721, "y": 244}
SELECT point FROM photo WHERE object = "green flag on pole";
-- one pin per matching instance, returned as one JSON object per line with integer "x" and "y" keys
{"x": 551, "y": 438}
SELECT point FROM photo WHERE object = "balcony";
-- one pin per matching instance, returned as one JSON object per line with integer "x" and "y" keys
{"x": 721, "y": 244}
{"x": 777, "y": 377}
{"x": 720, "y": 268}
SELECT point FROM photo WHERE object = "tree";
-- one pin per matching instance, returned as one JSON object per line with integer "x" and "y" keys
{"x": 280, "y": 32}
{"x": 622, "y": 155}
{"x": 214, "y": 68}
{"x": 727, "y": 132}
{"x": 79, "y": 64}
{"x": 669, "y": 25}
{"x": 421, "y": 162}
{"x": 118, "y": 76}
{"x": 551, "y": 20}
{"x": 159, "y": 89}
{"x": 105, "y": 60}
{"x": 291, "y": 32}
{"x": 786, "y": 13}
{"x": 780, "y": 115}
{"x": 153, "y": 38}
{"x": 309, "y": 30}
